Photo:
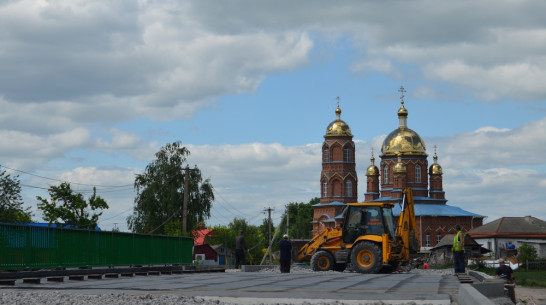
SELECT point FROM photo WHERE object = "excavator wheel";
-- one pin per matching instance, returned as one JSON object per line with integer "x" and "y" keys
{"x": 322, "y": 261}
{"x": 366, "y": 258}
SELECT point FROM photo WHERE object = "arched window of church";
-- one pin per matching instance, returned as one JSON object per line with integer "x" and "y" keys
{"x": 438, "y": 238}
{"x": 347, "y": 155}
{"x": 386, "y": 175}
{"x": 349, "y": 189}
{"x": 325, "y": 189}
{"x": 427, "y": 238}
{"x": 417, "y": 174}
{"x": 326, "y": 155}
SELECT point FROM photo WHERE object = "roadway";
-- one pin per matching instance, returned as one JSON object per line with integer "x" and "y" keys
{"x": 272, "y": 287}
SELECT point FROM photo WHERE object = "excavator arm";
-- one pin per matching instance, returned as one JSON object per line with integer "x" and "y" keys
{"x": 407, "y": 227}
{"x": 328, "y": 236}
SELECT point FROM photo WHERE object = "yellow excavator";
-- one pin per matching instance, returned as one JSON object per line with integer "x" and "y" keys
{"x": 367, "y": 239}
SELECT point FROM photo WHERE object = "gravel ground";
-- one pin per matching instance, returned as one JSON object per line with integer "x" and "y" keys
{"x": 48, "y": 297}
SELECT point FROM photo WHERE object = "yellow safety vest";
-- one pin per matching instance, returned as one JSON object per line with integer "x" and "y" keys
{"x": 458, "y": 242}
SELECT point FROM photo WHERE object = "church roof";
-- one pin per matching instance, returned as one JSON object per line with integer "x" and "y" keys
{"x": 426, "y": 209}
{"x": 330, "y": 203}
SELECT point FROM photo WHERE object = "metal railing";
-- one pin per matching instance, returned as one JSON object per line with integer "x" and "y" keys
{"x": 31, "y": 247}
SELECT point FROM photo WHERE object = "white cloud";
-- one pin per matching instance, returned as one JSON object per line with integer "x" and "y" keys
{"x": 92, "y": 60}
{"x": 489, "y": 147}
{"x": 166, "y": 60}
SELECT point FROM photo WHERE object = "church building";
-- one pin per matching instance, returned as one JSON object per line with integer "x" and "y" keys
{"x": 403, "y": 164}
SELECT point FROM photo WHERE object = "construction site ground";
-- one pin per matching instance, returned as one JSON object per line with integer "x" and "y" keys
{"x": 267, "y": 286}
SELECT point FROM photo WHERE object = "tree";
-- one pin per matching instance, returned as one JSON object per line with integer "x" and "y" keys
{"x": 254, "y": 239}
{"x": 527, "y": 253}
{"x": 67, "y": 208}
{"x": 160, "y": 194}
{"x": 11, "y": 202}
{"x": 301, "y": 215}
{"x": 300, "y": 218}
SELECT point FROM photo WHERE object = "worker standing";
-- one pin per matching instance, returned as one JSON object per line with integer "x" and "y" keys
{"x": 286, "y": 254}
{"x": 458, "y": 250}
{"x": 240, "y": 247}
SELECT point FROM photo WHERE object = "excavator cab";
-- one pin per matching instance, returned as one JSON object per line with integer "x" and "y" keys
{"x": 367, "y": 220}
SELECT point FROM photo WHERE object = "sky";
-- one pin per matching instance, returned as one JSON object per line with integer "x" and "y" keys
{"x": 91, "y": 90}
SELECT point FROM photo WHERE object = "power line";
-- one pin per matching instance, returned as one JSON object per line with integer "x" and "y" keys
{"x": 103, "y": 220}
{"x": 227, "y": 202}
{"x": 58, "y": 180}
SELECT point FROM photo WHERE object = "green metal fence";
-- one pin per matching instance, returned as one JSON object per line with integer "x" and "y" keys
{"x": 31, "y": 247}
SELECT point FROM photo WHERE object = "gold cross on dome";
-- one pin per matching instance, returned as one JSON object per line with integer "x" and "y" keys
{"x": 402, "y": 91}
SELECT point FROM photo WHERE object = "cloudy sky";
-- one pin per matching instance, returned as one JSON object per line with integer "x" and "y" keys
{"x": 90, "y": 91}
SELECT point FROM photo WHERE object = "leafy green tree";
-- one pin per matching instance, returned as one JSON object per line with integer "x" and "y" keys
{"x": 68, "y": 208}
{"x": 11, "y": 202}
{"x": 301, "y": 215}
{"x": 527, "y": 253}
{"x": 160, "y": 194}
{"x": 254, "y": 239}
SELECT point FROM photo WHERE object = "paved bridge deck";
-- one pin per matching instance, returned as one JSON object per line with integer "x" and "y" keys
{"x": 392, "y": 288}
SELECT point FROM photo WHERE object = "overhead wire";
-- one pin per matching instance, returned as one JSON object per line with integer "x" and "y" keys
{"x": 231, "y": 209}
{"x": 59, "y": 180}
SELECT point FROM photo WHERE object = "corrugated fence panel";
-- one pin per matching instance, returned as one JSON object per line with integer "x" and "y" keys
{"x": 31, "y": 247}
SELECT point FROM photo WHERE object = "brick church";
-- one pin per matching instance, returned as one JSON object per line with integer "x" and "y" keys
{"x": 403, "y": 164}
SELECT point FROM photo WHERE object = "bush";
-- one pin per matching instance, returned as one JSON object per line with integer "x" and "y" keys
{"x": 527, "y": 253}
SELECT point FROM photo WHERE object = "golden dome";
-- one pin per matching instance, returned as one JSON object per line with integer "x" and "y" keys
{"x": 372, "y": 169}
{"x": 338, "y": 127}
{"x": 435, "y": 169}
{"x": 400, "y": 167}
{"x": 405, "y": 141}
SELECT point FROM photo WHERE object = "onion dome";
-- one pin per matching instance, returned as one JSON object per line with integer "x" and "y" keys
{"x": 400, "y": 167}
{"x": 435, "y": 169}
{"x": 403, "y": 140}
{"x": 338, "y": 127}
{"x": 372, "y": 169}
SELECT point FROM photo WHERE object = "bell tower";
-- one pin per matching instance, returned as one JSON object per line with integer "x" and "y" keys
{"x": 338, "y": 179}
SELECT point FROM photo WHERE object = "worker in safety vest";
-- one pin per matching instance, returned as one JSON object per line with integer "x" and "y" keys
{"x": 458, "y": 250}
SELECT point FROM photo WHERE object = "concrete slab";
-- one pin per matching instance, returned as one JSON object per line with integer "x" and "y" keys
{"x": 32, "y": 281}
{"x": 76, "y": 277}
{"x": 265, "y": 286}
{"x": 468, "y": 295}
{"x": 55, "y": 279}
{"x": 7, "y": 282}
{"x": 490, "y": 289}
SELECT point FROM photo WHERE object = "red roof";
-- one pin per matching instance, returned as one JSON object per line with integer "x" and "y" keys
{"x": 200, "y": 235}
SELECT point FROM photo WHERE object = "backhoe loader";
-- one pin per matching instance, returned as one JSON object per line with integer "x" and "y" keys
{"x": 367, "y": 239}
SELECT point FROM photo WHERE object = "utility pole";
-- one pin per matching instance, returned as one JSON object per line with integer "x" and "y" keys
{"x": 269, "y": 232}
{"x": 287, "y": 220}
{"x": 185, "y": 205}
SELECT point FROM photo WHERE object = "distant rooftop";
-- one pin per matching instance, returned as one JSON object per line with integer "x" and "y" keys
{"x": 521, "y": 226}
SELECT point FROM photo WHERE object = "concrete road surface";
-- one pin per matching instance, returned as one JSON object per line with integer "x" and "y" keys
{"x": 248, "y": 287}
